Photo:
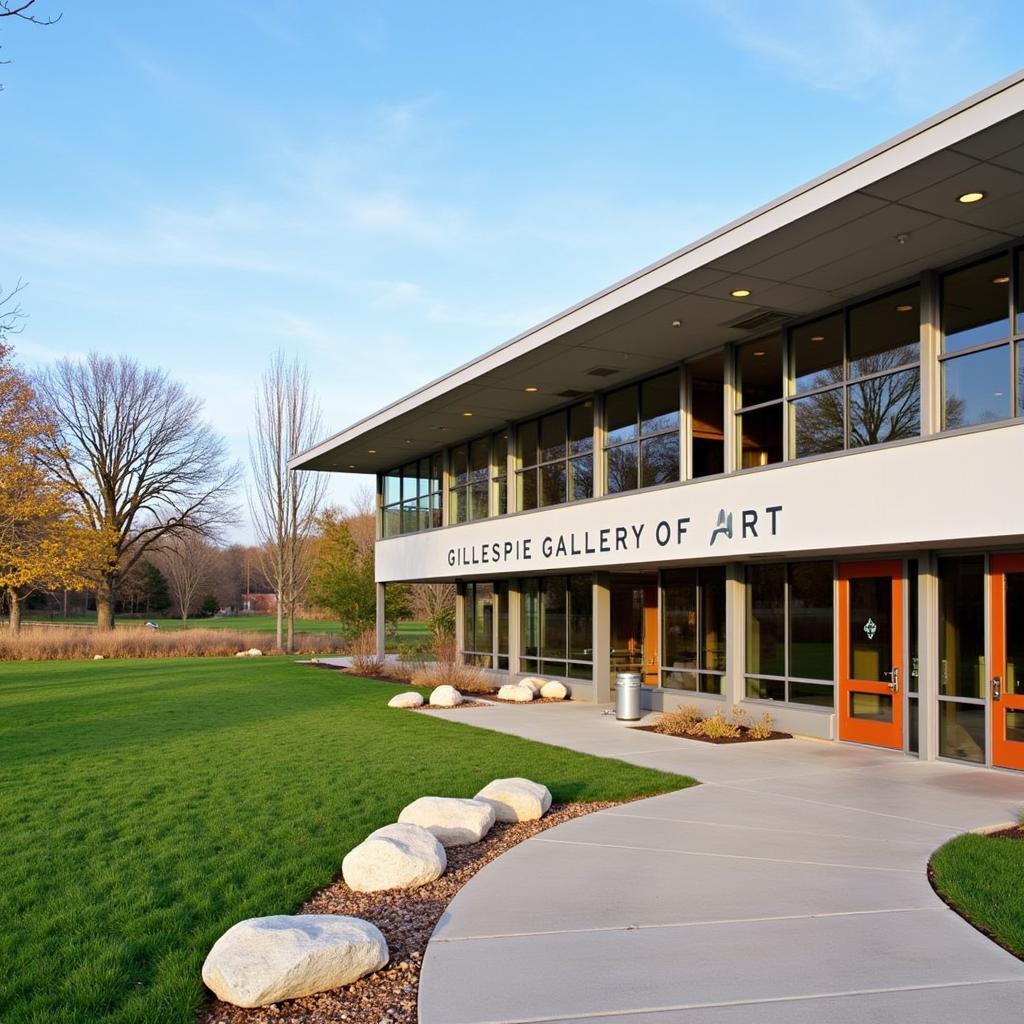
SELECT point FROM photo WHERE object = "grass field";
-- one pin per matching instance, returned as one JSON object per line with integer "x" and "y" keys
{"x": 980, "y": 875}
{"x": 407, "y": 631}
{"x": 148, "y": 805}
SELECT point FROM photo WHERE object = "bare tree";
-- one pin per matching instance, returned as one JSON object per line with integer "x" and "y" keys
{"x": 20, "y": 9}
{"x": 11, "y": 313}
{"x": 146, "y": 466}
{"x": 186, "y": 562}
{"x": 284, "y": 503}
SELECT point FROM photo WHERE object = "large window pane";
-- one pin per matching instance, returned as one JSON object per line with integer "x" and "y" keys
{"x": 707, "y": 407}
{"x": 460, "y": 464}
{"x": 526, "y": 441}
{"x": 766, "y": 689}
{"x": 962, "y": 731}
{"x": 976, "y": 304}
{"x": 581, "y": 428}
{"x": 552, "y": 484}
{"x": 821, "y": 695}
{"x": 621, "y": 415}
{"x": 581, "y": 618}
{"x": 1014, "y": 681}
{"x": 679, "y": 621}
{"x": 581, "y": 478}
{"x": 885, "y": 408}
{"x": 962, "y": 627}
{"x": 871, "y": 625}
{"x": 976, "y": 387}
{"x": 885, "y": 333}
{"x": 817, "y": 353}
{"x": 766, "y": 597}
{"x": 529, "y": 628}
{"x": 759, "y": 368}
{"x": 818, "y": 423}
{"x": 1020, "y": 292}
{"x": 554, "y": 629}
{"x": 712, "y": 621}
{"x": 552, "y": 437}
{"x": 528, "y": 489}
{"x": 480, "y": 458}
{"x": 811, "y": 621}
{"x": 392, "y": 487}
{"x": 659, "y": 460}
{"x": 659, "y": 404}
{"x": 621, "y": 469}
{"x": 761, "y": 436}
{"x": 478, "y": 499}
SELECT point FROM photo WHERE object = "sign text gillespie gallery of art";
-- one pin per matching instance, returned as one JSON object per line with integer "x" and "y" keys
{"x": 680, "y": 532}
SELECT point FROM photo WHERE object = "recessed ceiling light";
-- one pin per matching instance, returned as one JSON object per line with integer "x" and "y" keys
{"x": 467, "y": 414}
{"x": 1001, "y": 279}
{"x": 531, "y": 389}
{"x": 971, "y": 197}
{"x": 740, "y": 293}
{"x": 351, "y": 465}
{"x": 371, "y": 451}
{"x": 904, "y": 307}
{"x": 817, "y": 337}
{"x": 677, "y": 323}
{"x": 760, "y": 353}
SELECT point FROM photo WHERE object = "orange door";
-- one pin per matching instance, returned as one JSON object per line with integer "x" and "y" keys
{"x": 1006, "y": 574}
{"x": 871, "y": 653}
{"x": 652, "y": 662}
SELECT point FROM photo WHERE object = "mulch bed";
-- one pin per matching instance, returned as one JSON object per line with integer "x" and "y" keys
{"x": 407, "y": 918}
{"x": 457, "y": 707}
{"x": 1013, "y": 832}
{"x": 530, "y": 703}
{"x": 742, "y": 738}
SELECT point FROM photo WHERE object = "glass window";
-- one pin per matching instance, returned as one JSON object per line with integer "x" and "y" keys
{"x": 759, "y": 371}
{"x": 707, "y": 415}
{"x": 760, "y": 435}
{"x": 790, "y": 633}
{"x": 411, "y": 497}
{"x": 556, "y": 627}
{"x": 759, "y": 430}
{"x": 478, "y": 620}
{"x": 885, "y": 333}
{"x": 817, "y": 353}
{"x": 962, "y": 627}
{"x": 818, "y": 423}
{"x": 642, "y": 451}
{"x": 471, "y": 481}
{"x": 885, "y": 408}
{"x": 976, "y": 304}
{"x": 976, "y": 387}
{"x": 499, "y": 473}
{"x": 693, "y": 629}
{"x": 555, "y": 464}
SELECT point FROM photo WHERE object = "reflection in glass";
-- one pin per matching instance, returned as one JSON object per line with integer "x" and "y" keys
{"x": 680, "y": 681}
{"x": 679, "y": 619}
{"x": 766, "y": 689}
{"x": 1014, "y": 723}
{"x": 962, "y": 627}
{"x": 885, "y": 333}
{"x": 761, "y": 436}
{"x": 820, "y": 695}
{"x": 976, "y": 304}
{"x": 811, "y": 622}
{"x": 962, "y": 731}
{"x": 707, "y": 408}
{"x": 871, "y": 707}
{"x": 621, "y": 468}
{"x": 817, "y": 353}
{"x": 759, "y": 369}
{"x": 621, "y": 416}
{"x": 554, "y": 626}
{"x": 871, "y": 629}
{"x": 712, "y": 618}
{"x": 976, "y": 387}
{"x": 765, "y": 641}
{"x": 885, "y": 408}
{"x": 581, "y": 428}
{"x": 818, "y": 423}
{"x": 552, "y": 437}
{"x": 581, "y": 478}
{"x": 659, "y": 404}
{"x": 1014, "y": 681}
{"x": 528, "y": 491}
{"x": 581, "y": 618}
{"x": 659, "y": 459}
{"x": 552, "y": 484}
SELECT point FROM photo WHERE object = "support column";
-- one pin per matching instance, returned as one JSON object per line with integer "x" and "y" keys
{"x": 460, "y": 620}
{"x": 733, "y": 687}
{"x": 602, "y": 632}
{"x": 381, "y": 623}
{"x": 931, "y": 344}
{"x": 928, "y": 656}
{"x": 515, "y": 631}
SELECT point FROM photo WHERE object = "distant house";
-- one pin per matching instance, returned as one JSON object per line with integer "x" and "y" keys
{"x": 259, "y": 603}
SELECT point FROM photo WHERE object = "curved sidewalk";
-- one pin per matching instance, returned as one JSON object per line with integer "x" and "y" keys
{"x": 789, "y": 887}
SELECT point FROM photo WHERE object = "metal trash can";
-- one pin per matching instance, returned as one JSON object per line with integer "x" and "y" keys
{"x": 627, "y": 696}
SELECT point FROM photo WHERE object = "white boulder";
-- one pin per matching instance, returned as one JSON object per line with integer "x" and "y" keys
{"x": 242, "y": 654}
{"x": 452, "y": 821}
{"x": 516, "y": 799}
{"x": 554, "y": 690}
{"x": 517, "y": 693}
{"x": 254, "y": 652}
{"x": 445, "y": 697}
{"x": 400, "y": 856}
{"x": 266, "y": 959}
{"x": 532, "y": 682}
{"x": 406, "y": 700}
{"x": 97, "y": 657}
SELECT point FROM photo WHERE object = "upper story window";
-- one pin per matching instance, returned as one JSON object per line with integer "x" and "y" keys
{"x": 556, "y": 457}
{"x": 411, "y": 497}
{"x": 761, "y": 419}
{"x": 469, "y": 481}
{"x": 499, "y": 474}
{"x": 707, "y": 415}
{"x": 641, "y": 445}
{"x": 978, "y": 341}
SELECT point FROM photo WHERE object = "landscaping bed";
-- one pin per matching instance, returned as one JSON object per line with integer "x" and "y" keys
{"x": 407, "y": 918}
{"x": 977, "y": 876}
{"x": 743, "y": 737}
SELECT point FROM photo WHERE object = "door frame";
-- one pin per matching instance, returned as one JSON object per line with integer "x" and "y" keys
{"x": 891, "y": 735}
{"x": 1000, "y": 752}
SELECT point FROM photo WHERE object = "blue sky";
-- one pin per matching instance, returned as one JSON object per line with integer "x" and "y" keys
{"x": 390, "y": 189}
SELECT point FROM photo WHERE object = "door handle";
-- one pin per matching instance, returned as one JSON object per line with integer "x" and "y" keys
{"x": 997, "y": 687}
{"x": 894, "y": 678}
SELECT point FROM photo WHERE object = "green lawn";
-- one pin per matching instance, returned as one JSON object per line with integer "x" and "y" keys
{"x": 148, "y": 805}
{"x": 980, "y": 875}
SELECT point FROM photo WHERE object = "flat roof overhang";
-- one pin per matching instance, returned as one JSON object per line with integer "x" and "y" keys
{"x": 875, "y": 221}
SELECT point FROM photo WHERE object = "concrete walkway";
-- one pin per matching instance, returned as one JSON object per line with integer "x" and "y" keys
{"x": 790, "y": 887}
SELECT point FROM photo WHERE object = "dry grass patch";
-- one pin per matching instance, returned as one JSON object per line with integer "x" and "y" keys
{"x": 736, "y": 726}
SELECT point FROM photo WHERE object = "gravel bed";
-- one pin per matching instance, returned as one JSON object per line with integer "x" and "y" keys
{"x": 536, "y": 700}
{"x": 464, "y": 704}
{"x": 407, "y": 919}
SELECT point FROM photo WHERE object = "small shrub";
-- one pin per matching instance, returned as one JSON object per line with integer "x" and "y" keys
{"x": 739, "y": 717}
{"x": 718, "y": 727}
{"x": 762, "y": 728}
{"x": 681, "y": 721}
{"x": 465, "y": 678}
{"x": 364, "y": 654}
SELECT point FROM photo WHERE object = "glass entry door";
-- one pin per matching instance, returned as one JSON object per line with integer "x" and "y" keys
{"x": 634, "y": 630}
{"x": 1007, "y": 682}
{"x": 871, "y": 653}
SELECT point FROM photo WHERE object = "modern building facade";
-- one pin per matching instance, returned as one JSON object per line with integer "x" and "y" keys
{"x": 781, "y": 468}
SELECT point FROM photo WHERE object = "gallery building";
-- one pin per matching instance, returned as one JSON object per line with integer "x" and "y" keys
{"x": 781, "y": 468}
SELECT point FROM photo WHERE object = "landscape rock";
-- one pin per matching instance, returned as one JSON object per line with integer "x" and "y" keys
{"x": 517, "y": 693}
{"x": 452, "y": 821}
{"x": 516, "y": 799}
{"x": 254, "y": 652}
{"x": 532, "y": 682}
{"x": 445, "y": 697}
{"x": 554, "y": 690}
{"x": 242, "y": 654}
{"x": 406, "y": 700}
{"x": 400, "y": 856}
{"x": 266, "y": 959}
{"x": 97, "y": 657}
